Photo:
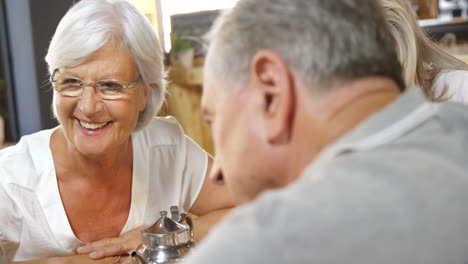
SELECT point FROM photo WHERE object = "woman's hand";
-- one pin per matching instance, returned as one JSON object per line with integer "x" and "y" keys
{"x": 121, "y": 245}
{"x": 79, "y": 259}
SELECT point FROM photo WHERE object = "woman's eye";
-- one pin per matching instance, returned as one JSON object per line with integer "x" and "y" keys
{"x": 111, "y": 86}
{"x": 71, "y": 81}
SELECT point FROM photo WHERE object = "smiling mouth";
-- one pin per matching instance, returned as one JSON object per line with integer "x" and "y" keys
{"x": 93, "y": 126}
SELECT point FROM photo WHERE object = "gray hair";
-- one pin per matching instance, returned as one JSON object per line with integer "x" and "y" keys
{"x": 421, "y": 58}
{"x": 90, "y": 24}
{"x": 324, "y": 42}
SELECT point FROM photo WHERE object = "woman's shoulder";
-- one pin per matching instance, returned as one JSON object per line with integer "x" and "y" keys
{"x": 455, "y": 74}
{"x": 18, "y": 163}
{"x": 161, "y": 131}
{"x": 28, "y": 144}
{"x": 454, "y": 84}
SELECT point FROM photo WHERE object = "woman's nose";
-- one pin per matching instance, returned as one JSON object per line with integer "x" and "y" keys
{"x": 89, "y": 102}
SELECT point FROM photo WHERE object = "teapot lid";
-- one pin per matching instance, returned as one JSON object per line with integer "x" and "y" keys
{"x": 166, "y": 225}
{"x": 167, "y": 232}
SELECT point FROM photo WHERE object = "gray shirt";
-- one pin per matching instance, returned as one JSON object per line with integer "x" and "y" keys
{"x": 394, "y": 190}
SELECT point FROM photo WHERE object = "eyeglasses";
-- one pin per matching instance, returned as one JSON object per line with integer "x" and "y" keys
{"x": 69, "y": 86}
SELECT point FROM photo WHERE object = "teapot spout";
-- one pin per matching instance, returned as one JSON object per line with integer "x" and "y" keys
{"x": 137, "y": 258}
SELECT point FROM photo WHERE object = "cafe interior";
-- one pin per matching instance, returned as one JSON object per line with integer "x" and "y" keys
{"x": 27, "y": 26}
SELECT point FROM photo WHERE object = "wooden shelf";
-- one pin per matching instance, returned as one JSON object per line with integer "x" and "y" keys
{"x": 437, "y": 28}
{"x": 186, "y": 76}
{"x": 183, "y": 102}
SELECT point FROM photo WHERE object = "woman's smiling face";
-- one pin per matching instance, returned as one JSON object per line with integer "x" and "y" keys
{"x": 96, "y": 126}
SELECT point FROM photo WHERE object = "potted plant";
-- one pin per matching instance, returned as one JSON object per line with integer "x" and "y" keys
{"x": 182, "y": 49}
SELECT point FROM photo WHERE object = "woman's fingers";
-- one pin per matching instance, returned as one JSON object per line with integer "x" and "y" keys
{"x": 112, "y": 246}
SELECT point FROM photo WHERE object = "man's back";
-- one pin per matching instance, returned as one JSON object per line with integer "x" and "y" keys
{"x": 394, "y": 190}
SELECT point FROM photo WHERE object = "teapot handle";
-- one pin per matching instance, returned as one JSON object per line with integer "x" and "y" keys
{"x": 185, "y": 217}
{"x": 137, "y": 258}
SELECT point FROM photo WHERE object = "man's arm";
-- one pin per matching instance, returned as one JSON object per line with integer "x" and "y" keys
{"x": 238, "y": 239}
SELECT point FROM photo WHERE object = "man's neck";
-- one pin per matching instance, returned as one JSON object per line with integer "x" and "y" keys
{"x": 326, "y": 118}
{"x": 352, "y": 108}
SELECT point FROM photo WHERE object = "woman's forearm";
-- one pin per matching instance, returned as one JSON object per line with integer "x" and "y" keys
{"x": 76, "y": 259}
{"x": 204, "y": 223}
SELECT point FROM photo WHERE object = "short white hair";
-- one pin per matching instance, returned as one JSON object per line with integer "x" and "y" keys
{"x": 90, "y": 24}
{"x": 322, "y": 41}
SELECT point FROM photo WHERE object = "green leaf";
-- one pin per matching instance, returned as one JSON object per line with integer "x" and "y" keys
{"x": 180, "y": 44}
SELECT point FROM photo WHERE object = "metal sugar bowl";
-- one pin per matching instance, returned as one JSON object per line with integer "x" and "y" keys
{"x": 166, "y": 241}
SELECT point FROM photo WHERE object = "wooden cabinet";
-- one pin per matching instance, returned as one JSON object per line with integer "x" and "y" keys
{"x": 427, "y": 9}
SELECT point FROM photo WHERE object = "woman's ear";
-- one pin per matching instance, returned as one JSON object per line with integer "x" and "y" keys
{"x": 145, "y": 97}
{"x": 147, "y": 89}
{"x": 275, "y": 83}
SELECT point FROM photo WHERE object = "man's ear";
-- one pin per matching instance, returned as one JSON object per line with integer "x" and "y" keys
{"x": 274, "y": 81}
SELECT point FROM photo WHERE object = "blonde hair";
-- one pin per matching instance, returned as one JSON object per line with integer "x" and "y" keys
{"x": 421, "y": 58}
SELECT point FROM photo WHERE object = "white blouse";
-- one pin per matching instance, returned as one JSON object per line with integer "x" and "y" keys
{"x": 456, "y": 83}
{"x": 168, "y": 169}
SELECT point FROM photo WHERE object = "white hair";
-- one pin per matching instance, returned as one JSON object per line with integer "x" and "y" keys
{"x": 90, "y": 24}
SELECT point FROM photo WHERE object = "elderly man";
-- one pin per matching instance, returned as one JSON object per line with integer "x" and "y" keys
{"x": 305, "y": 99}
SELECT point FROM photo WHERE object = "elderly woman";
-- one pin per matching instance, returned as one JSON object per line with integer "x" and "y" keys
{"x": 109, "y": 167}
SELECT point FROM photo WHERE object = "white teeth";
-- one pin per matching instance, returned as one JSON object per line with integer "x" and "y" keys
{"x": 92, "y": 126}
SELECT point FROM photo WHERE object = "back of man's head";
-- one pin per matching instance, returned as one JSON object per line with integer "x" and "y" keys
{"x": 324, "y": 42}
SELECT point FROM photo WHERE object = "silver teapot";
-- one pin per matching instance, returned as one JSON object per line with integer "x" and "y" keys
{"x": 166, "y": 241}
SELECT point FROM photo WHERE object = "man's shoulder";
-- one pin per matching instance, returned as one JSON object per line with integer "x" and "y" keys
{"x": 406, "y": 180}
{"x": 437, "y": 140}
{"x": 361, "y": 207}
{"x": 356, "y": 207}
{"x": 434, "y": 149}
{"x": 455, "y": 113}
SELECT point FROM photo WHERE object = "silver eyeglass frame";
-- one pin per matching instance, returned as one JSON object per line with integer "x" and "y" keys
{"x": 125, "y": 86}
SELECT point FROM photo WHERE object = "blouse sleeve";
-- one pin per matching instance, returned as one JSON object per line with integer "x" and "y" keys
{"x": 169, "y": 168}
{"x": 454, "y": 83}
{"x": 10, "y": 224}
{"x": 194, "y": 171}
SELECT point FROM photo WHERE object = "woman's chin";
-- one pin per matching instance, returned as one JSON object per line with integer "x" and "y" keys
{"x": 92, "y": 150}
{"x": 91, "y": 146}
